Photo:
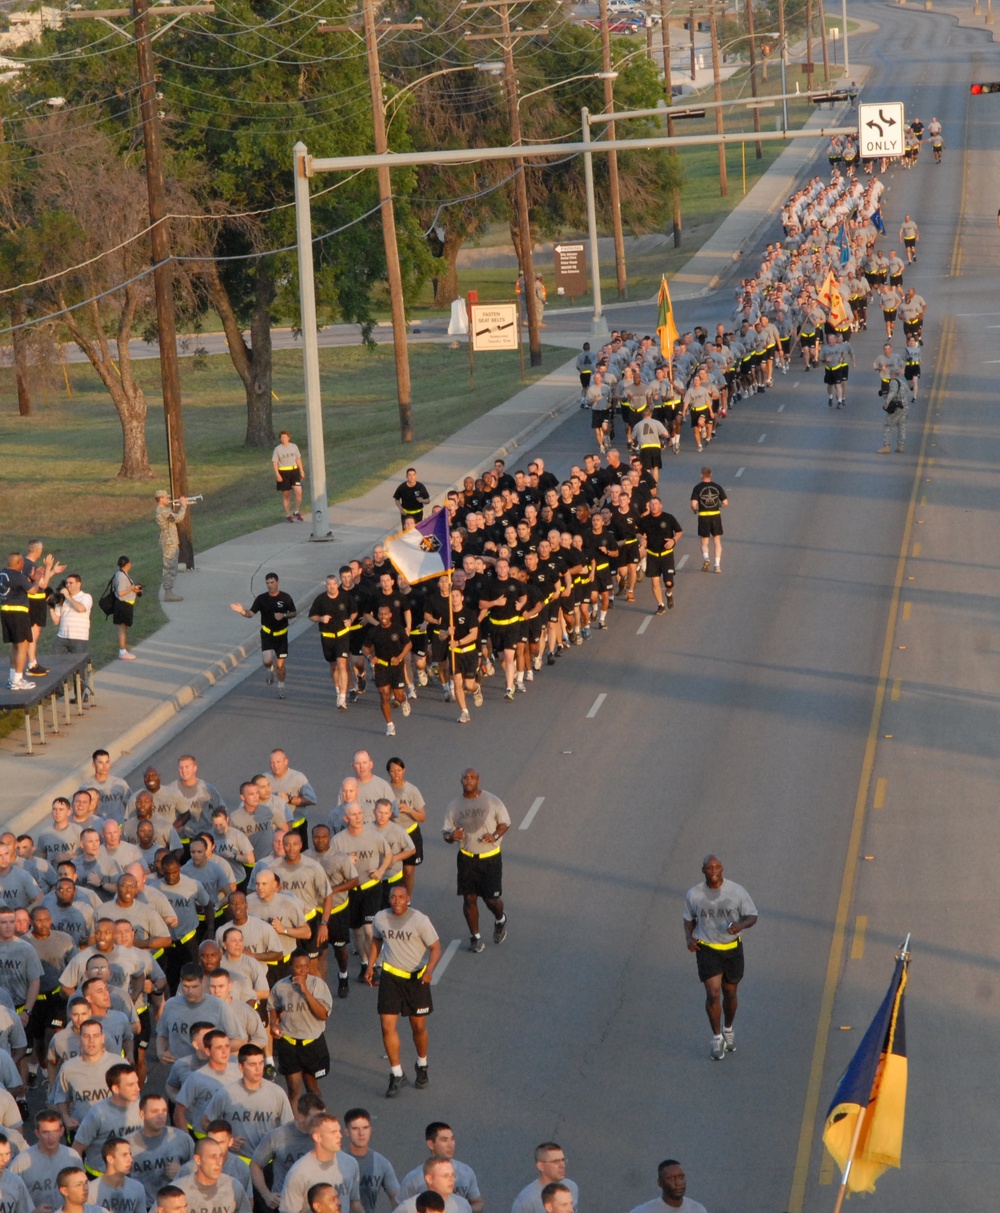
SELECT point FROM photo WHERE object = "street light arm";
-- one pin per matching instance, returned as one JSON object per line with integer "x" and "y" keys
{"x": 559, "y": 83}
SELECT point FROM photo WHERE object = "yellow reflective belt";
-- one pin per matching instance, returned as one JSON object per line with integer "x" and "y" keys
{"x": 292, "y": 1041}
{"x": 370, "y": 884}
{"x": 335, "y": 635}
{"x": 419, "y": 510}
{"x": 708, "y": 513}
{"x": 720, "y": 947}
{"x": 312, "y": 913}
{"x": 650, "y": 446}
{"x": 14, "y": 608}
{"x": 294, "y": 468}
{"x": 274, "y": 631}
{"x": 379, "y": 661}
{"x": 512, "y": 619}
{"x": 338, "y": 909}
{"x": 189, "y": 936}
{"x": 34, "y": 594}
{"x": 466, "y": 648}
{"x": 483, "y": 855}
{"x": 393, "y": 879}
{"x": 402, "y": 972}
{"x": 605, "y": 565}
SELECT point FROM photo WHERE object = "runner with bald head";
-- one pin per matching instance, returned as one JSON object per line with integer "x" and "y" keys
{"x": 716, "y": 913}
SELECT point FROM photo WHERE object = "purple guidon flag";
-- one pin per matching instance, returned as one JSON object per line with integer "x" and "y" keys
{"x": 424, "y": 551}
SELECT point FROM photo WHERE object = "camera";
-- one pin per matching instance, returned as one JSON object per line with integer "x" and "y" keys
{"x": 54, "y": 596}
{"x": 137, "y": 590}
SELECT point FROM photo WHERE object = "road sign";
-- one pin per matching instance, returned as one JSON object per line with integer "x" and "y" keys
{"x": 880, "y": 129}
{"x": 493, "y": 326}
{"x": 571, "y": 268}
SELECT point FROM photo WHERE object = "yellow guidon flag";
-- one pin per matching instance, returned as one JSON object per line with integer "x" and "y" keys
{"x": 666, "y": 329}
{"x": 833, "y": 301}
{"x": 864, "y": 1126}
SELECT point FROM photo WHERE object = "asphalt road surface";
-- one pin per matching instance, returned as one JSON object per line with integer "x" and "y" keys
{"x": 823, "y": 716}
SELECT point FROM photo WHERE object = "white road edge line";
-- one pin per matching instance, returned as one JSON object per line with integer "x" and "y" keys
{"x": 642, "y": 626}
{"x": 682, "y": 562}
{"x": 739, "y": 472}
{"x": 597, "y": 705}
{"x": 449, "y": 952}
{"x": 529, "y": 817}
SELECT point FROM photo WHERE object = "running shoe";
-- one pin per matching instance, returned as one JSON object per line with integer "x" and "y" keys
{"x": 37, "y": 671}
{"x": 281, "y": 690}
{"x": 477, "y": 944}
{"x": 477, "y": 697}
{"x": 729, "y": 1039}
{"x": 405, "y": 707}
{"x": 269, "y": 678}
{"x": 422, "y": 677}
{"x": 421, "y": 1079}
{"x": 464, "y": 718}
{"x": 509, "y": 694}
{"x": 500, "y": 930}
{"x": 396, "y": 1084}
{"x": 661, "y": 609}
{"x": 706, "y": 565}
{"x": 390, "y": 729}
{"x": 718, "y": 1048}
{"x": 343, "y": 987}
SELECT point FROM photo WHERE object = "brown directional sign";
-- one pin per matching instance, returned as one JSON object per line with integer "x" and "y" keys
{"x": 571, "y": 268}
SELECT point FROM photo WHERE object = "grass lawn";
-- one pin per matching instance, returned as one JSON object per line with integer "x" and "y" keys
{"x": 57, "y": 468}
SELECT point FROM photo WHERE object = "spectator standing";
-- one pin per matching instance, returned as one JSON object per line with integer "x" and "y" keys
{"x": 126, "y": 591}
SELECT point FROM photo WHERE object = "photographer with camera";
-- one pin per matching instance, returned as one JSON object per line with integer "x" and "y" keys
{"x": 896, "y": 411}
{"x": 887, "y": 364}
{"x": 167, "y": 518}
{"x": 70, "y": 607}
{"x": 126, "y": 591}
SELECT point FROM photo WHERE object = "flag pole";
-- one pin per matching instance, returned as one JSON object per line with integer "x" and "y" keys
{"x": 842, "y": 1191}
{"x": 451, "y": 636}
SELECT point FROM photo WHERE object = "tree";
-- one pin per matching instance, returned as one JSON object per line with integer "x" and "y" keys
{"x": 80, "y": 198}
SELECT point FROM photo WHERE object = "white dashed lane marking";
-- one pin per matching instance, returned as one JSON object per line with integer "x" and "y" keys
{"x": 449, "y": 952}
{"x": 529, "y": 817}
{"x": 642, "y": 626}
{"x": 597, "y": 706}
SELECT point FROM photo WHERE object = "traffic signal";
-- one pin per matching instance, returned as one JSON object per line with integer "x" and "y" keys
{"x": 975, "y": 89}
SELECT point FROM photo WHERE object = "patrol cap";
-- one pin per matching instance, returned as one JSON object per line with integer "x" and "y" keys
{"x": 161, "y": 493}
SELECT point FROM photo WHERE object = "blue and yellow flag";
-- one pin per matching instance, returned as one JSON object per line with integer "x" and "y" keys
{"x": 666, "y": 329}
{"x": 872, "y": 1091}
{"x": 424, "y": 551}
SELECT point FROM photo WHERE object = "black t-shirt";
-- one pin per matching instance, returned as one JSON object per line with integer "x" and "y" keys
{"x": 412, "y": 499}
{"x": 659, "y": 532}
{"x": 436, "y": 611}
{"x": 465, "y": 621}
{"x": 395, "y": 602}
{"x": 267, "y": 606}
{"x": 600, "y": 547}
{"x": 623, "y": 526}
{"x": 546, "y": 481}
{"x": 510, "y": 590}
{"x": 388, "y": 642}
{"x": 340, "y": 610}
{"x": 708, "y": 495}
{"x": 385, "y": 567}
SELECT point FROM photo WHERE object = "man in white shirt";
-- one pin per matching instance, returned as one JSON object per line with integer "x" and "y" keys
{"x": 72, "y": 617}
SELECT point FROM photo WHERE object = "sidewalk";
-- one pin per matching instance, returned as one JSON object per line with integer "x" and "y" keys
{"x": 204, "y": 648}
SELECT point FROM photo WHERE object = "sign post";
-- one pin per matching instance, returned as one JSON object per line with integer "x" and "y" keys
{"x": 880, "y": 129}
{"x": 571, "y": 269}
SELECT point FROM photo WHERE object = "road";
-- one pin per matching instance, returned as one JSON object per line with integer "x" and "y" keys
{"x": 823, "y": 716}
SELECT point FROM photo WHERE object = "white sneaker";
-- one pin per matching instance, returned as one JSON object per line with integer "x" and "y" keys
{"x": 125, "y": 655}
{"x": 530, "y": 675}
{"x": 729, "y": 1039}
{"x": 477, "y": 698}
{"x": 422, "y": 677}
{"x": 342, "y": 703}
{"x": 464, "y": 718}
{"x": 19, "y": 684}
{"x": 390, "y": 729}
{"x": 537, "y": 663}
{"x": 718, "y": 1048}
{"x": 405, "y": 707}
{"x": 412, "y": 693}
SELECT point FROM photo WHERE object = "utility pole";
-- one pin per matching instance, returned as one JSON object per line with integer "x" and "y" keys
{"x": 784, "y": 62}
{"x": 397, "y": 306}
{"x": 809, "y": 45}
{"x": 826, "y": 50}
{"x": 159, "y": 238}
{"x": 668, "y": 88}
{"x": 694, "y": 65}
{"x": 755, "y": 92}
{"x": 506, "y": 41}
{"x": 614, "y": 187}
{"x": 719, "y": 129}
